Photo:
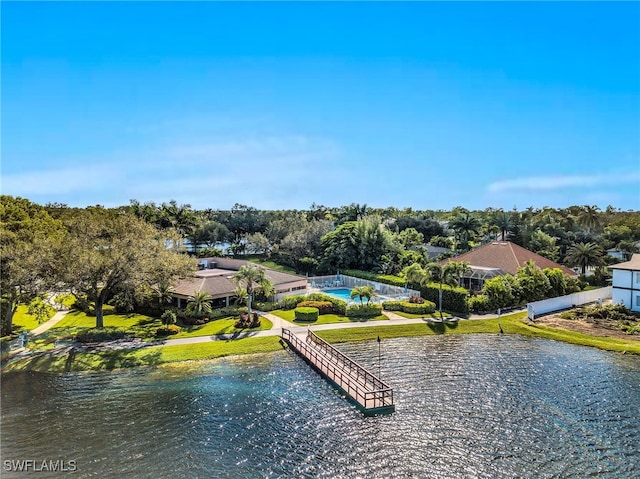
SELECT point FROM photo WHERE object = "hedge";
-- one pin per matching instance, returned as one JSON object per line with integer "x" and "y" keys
{"x": 290, "y": 302}
{"x": 363, "y": 310}
{"x": 408, "y": 307}
{"x": 324, "y": 307}
{"x": 479, "y": 304}
{"x": 306, "y": 314}
{"x": 454, "y": 299}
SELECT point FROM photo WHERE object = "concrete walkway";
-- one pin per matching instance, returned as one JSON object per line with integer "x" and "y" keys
{"x": 49, "y": 324}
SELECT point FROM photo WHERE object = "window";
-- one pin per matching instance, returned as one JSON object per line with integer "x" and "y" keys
{"x": 637, "y": 277}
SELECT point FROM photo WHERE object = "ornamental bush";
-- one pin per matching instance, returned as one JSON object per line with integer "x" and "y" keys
{"x": 290, "y": 302}
{"x": 479, "y": 304}
{"x": 453, "y": 299}
{"x": 324, "y": 307}
{"x": 363, "y": 310}
{"x": 168, "y": 330}
{"x": 392, "y": 305}
{"x": 306, "y": 314}
{"x": 417, "y": 308}
{"x": 416, "y": 299}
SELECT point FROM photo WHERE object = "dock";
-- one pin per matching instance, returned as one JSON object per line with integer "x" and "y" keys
{"x": 366, "y": 390}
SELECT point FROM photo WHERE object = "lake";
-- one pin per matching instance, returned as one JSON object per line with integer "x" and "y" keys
{"x": 476, "y": 406}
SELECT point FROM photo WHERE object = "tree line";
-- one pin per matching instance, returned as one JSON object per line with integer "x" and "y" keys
{"x": 105, "y": 252}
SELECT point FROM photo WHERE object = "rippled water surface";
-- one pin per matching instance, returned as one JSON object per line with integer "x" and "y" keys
{"x": 467, "y": 406}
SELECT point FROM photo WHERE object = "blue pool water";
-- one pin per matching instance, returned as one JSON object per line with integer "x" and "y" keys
{"x": 341, "y": 293}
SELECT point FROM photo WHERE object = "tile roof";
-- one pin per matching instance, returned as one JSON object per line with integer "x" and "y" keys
{"x": 507, "y": 256}
{"x": 633, "y": 264}
{"x": 218, "y": 283}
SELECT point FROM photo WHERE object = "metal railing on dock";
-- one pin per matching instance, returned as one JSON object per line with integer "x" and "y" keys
{"x": 366, "y": 389}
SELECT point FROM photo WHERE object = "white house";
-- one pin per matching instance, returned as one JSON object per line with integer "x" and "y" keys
{"x": 626, "y": 283}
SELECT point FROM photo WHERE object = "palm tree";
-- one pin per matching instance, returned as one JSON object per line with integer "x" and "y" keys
{"x": 464, "y": 224}
{"x": 251, "y": 277}
{"x": 199, "y": 304}
{"x": 366, "y": 292}
{"x": 589, "y": 217}
{"x": 503, "y": 221}
{"x": 584, "y": 255}
{"x": 448, "y": 273}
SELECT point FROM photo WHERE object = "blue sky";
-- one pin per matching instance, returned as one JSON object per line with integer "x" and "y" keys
{"x": 279, "y": 105}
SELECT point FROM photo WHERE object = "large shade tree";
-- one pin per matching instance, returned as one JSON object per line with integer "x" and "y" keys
{"x": 107, "y": 253}
{"x": 252, "y": 277}
{"x": 29, "y": 240}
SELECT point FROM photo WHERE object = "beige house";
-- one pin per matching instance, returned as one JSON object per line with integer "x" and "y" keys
{"x": 215, "y": 277}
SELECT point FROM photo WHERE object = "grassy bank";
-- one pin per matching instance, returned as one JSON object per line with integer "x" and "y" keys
{"x": 510, "y": 325}
{"x": 149, "y": 356}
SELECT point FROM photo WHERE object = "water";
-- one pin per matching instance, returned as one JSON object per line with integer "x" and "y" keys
{"x": 345, "y": 295}
{"x": 476, "y": 406}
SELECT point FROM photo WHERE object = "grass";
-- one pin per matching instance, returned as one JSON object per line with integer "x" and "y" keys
{"x": 421, "y": 315}
{"x": 23, "y": 320}
{"x": 511, "y": 324}
{"x": 149, "y": 356}
{"x": 289, "y": 315}
{"x": 272, "y": 265}
{"x": 217, "y": 326}
{"x": 138, "y": 325}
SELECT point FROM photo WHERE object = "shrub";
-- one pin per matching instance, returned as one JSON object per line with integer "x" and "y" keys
{"x": 363, "y": 310}
{"x": 453, "y": 299}
{"x": 94, "y": 335}
{"x": 416, "y": 299}
{"x": 227, "y": 311}
{"x": 306, "y": 314}
{"x": 248, "y": 322}
{"x": 324, "y": 307}
{"x": 290, "y": 302}
{"x": 339, "y": 306}
{"x": 168, "y": 317}
{"x": 265, "y": 305}
{"x": 81, "y": 304}
{"x": 479, "y": 304}
{"x": 168, "y": 330}
{"x": 416, "y": 308}
{"x": 392, "y": 305}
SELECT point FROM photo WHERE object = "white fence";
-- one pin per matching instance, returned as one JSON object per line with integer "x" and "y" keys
{"x": 349, "y": 282}
{"x": 564, "y": 302}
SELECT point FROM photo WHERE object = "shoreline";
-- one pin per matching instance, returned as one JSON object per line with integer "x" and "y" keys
{"x": 69, "y": 360}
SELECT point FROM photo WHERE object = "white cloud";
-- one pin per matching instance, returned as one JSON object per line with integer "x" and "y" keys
{"x": 545, "y": 183}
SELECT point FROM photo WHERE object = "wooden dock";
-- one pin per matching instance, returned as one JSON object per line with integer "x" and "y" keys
{"x": 366, "y": 390}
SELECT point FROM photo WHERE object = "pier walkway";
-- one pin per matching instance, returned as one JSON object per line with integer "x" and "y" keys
{"x": 369, "y": 392}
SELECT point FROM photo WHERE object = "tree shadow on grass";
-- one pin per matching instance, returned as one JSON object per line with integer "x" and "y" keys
{"x": 440, "y": 327}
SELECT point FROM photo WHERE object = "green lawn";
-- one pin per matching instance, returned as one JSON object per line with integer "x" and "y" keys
{"x": 217, "y": 326}
{"x": 422, "y": 315}
{"x": 324, "y": 318}
{"x": 149, "y": 356}
{"x": 141, "y": 326}
{"x": 511, "y": 324}
{"x": 272, "y": 265}
{"x": 23, "y": 320}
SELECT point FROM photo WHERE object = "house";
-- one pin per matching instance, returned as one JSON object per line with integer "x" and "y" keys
{"x": 215, "y": 277}
{"x": 498, "y": 258}
{"x": 626, "y": 283}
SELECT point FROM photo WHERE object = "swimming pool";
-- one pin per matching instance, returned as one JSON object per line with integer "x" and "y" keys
{"x": 345, "y": 295}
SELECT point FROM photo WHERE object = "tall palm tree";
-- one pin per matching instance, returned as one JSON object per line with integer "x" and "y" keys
{"x": 199, "y": 304}
{"x": 464, "y": 224}
{"x": 584, "y": 255}
{"x": 448, "y": 273}
{"x": 589, "y": 217}
{"x": 251, "y": 277}
{"x": 503, "y": 220}
{"x": 367, "y": 292}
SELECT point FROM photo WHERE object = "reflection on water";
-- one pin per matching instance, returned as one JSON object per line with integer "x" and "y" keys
{"x": 467, "y": 406}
